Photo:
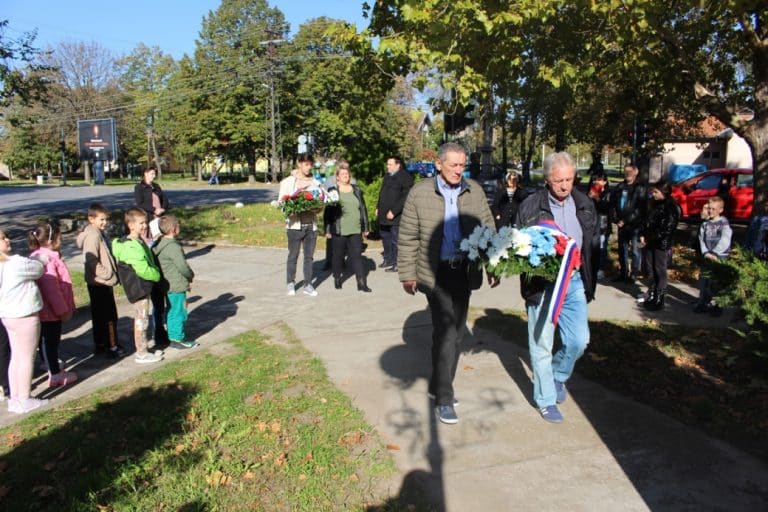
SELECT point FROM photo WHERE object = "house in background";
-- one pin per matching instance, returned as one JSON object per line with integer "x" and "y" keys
{"x": 712, "y": 145}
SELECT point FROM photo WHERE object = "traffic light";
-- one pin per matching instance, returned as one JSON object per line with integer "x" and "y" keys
{"x": 459, "y": 119}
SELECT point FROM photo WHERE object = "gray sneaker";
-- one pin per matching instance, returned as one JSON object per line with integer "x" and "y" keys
{"x": 446, "y": 414}
{"x": 148, "y": 357}
{"x": 310, "y": 290}
{"x": 291, "y": 289}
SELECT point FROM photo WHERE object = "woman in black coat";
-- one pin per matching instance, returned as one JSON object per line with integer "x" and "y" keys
{"x": 506, "y": 201}
{"x": 148, "y": 195}
{"x": 656, "y": 237}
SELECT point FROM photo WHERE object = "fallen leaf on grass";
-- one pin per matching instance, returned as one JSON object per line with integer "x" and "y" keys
{"x": 354, "y": 478}
{"x": 308, "y": 457}
{"x": 179, "y": 448}
{"x": 302, "y": 476}
{"x": 254, "y": 399}
{"x": 351, "y": 438}
{"x": 281, "y": 459}
{"x": 249, "y": 475}
{"x": 218, "y": 479}
{"x": 274, "y": 426}
{"x": 468, "y": 368}
{"x": 261, "y": 426}
{"x": 394, "y": 447}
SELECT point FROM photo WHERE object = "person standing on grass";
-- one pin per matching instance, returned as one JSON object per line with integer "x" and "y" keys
{"x": 715, "y": 243}
{"x": 394, "y": 189}
{"x": 100, "y": 277}
{"x": 301, "y": 228}
{"x": 138, "y": 274}
{"x": 575, "y": 215}
{"x": 177, "y": 273}
{"x": 20, "y": 302}
{"x": 438, "y": 213}
{"x": 58, "y": 300}
{"x": 346, "y": 224}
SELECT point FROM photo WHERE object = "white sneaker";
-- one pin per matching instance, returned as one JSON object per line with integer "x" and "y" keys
{"x": 148, "y": 357}
{"x": 291, "y": 289}
{"x": 26, "y": 405}
{"x": 310, "y": 290}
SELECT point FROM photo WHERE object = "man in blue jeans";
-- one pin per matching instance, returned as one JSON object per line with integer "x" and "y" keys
{"x": 575, "y": 215}
{"x": 301, "y": 228}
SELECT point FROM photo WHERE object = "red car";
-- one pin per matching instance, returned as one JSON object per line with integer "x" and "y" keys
{"x": 734, "y": 185}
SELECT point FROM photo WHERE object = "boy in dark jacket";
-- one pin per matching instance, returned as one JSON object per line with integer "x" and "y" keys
{"x": 176, "y": 271}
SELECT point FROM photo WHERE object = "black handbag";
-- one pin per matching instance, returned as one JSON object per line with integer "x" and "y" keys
{"x": 135, "y": 287}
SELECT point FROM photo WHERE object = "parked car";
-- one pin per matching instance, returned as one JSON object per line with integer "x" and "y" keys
{"x": 735, "y": 186}
{"x": 424, "y": 169}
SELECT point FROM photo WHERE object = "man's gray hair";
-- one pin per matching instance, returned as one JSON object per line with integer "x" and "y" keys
{"x": 450, "y": 147}
{"x": 557, "y": 161}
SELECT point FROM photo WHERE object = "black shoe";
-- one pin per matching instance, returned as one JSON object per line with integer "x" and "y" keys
{"x": 619, "y": 279}
{"x": 337, "y": 283}
{"x": 393, "y": 268}
{"x": 115, "y": 353}
{"x": 385, "y": 264}
{"x": 362, "y": 287}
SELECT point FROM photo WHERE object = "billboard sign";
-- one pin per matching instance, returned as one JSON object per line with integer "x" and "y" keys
{"x": 96, "y": 139}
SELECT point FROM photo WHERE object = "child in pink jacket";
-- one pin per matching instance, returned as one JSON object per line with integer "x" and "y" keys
{"x": 58, "y": 300}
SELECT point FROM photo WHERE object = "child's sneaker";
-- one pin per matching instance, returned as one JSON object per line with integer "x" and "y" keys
{"x": 291, "y": 289}
{"x": 183, "y": 345}
{"x": 26, "y": 405}
{"x": 61, "y": 379}
{"x": 148, "y": 357}
{"x": 115, "y": 352}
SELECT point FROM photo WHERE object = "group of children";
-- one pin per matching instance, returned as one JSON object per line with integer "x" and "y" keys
{"x": 36, "y": 297}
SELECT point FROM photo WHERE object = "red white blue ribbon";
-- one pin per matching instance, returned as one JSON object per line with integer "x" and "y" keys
{"x": 568, "y": 264}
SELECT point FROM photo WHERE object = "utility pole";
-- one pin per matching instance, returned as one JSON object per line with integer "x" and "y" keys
{"x": 273, "y": 156}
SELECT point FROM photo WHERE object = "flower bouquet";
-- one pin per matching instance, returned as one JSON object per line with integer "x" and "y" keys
{"x": 310, "y": 200}
{"x": 536, "y": 251}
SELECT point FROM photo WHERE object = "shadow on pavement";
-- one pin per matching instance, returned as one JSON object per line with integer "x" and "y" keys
{"x": 205, "y": 317}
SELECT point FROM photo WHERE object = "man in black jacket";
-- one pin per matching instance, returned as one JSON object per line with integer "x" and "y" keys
{"x": 394, "y": 190}
{"x": 575, "y": 215}
{"x": 627, "y": 207}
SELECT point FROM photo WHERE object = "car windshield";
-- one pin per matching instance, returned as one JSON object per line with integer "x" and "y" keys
{"x": 710, "y": 182}
{"x": 744, "y": 180}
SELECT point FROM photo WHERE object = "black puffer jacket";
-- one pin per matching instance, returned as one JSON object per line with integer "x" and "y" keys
{"x": 535, "y": 209}
{"x": 394, "y": 191}
{"x": 660, "y": 224}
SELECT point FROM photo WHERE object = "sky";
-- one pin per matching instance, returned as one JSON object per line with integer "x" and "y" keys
{"x": 120, "y": 26}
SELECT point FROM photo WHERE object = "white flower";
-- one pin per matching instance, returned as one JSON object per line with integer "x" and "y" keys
{"x": 275, "y": 203}
{"x": 239, "y": 204}
{"x": 333, "y": 195}
{"x": 521, "y": 242}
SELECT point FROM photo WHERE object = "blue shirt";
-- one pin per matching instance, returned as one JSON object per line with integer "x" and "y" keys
{"x": 564, "y": 215}
{"x": 449, "y": 247}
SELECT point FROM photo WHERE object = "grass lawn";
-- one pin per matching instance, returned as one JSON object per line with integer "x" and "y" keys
{"x": 255, "y": 426}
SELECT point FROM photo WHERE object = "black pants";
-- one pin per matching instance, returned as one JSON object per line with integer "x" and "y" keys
{"x": 389, "y": 236}
{"x": 352, "y": 246}
{"x": 657, "y": 263}
{"x": 5, "y": 360}
{"x": 158, "y": 313}
{"x": 448, "y": 303}
{"x": 304, "y": 238}
{"x": 103, "y": 316}
{"x": 50, "y": 337}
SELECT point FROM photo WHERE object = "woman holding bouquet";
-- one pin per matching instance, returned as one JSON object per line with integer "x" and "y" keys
{"x": 346, "y": 222}
{"x": 656, "y": 239}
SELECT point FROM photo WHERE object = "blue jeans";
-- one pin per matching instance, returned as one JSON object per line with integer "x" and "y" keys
{"x": 629, "y": 245}
{"x": 574, "y": 333}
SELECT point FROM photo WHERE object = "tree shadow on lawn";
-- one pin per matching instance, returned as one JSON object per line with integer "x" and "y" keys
{"x": 81, "y": 463}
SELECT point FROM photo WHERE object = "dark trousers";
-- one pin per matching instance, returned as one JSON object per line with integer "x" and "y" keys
{"x": 5, "y": 360}
{"x": 448, "y": 304}
{"x": 103, "y": 316}
{"x": 50, "y": 338}
{"x": 352, "y": 246}
{"x": 306, "y": 240}
{"x": 389, "y": 236}
{"x": 657, "y": 264}
{"x": 158, "y": 314}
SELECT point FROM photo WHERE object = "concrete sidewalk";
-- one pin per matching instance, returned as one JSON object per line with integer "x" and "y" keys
{"x": 610, "y": 454}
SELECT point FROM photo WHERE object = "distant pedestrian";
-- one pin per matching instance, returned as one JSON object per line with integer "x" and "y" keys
{"x": 214, "y": 179}
{"x": 138, "y": 272}
{"x": 394, "y": 190}
{"x": 301, "y": 228}
{"x": 437, "y": 215}
{"x": 656, "y": 238}
{"x": 178, "y": 274}
{"x": 506, "y": 201}
{"x": 627, "y": 210}
{"x": 346, "y": 224}
{"x": 20, "y": 302}
{"x": 574, "y": 213}
{"x": 715, "y": 236}
{"x": 100, "y": 278}
{"x": 58, "y": 299}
